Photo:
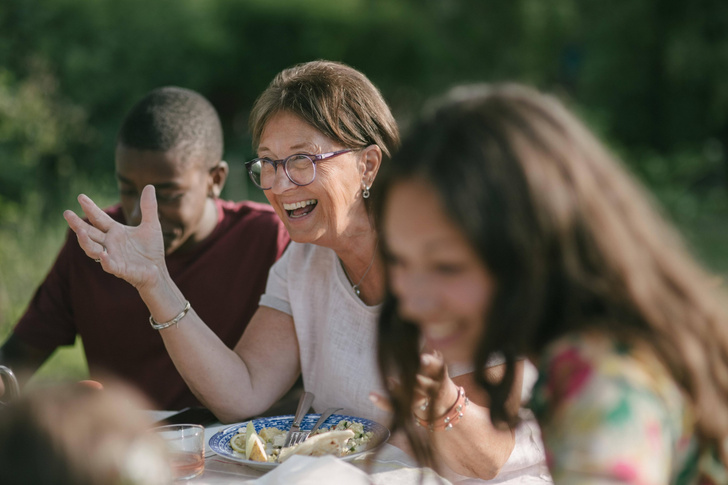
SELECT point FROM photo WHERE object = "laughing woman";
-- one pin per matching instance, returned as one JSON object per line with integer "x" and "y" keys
{"x": 510, "y": 231}
{"x": 321, "y": 131}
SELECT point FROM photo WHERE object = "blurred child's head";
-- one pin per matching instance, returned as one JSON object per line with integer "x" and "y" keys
{"x": 79, "y": 435}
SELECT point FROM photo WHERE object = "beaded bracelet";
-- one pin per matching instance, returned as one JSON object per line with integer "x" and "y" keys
{"x": 451, "y": 417}
{"x": 159, "y": 326}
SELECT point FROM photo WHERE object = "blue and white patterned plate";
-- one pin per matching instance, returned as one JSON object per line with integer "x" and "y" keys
{"x": 220, "y": 441}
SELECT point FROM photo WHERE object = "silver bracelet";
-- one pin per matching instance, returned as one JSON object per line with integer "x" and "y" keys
{"x": 159, "y": 326}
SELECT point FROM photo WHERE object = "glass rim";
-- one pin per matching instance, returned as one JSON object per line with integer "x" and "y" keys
{"x": 171, "y": 427}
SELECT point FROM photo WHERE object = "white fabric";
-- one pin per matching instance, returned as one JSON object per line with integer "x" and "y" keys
{"x": 527, "y": 463}
{"x": 336, "y": 331}
{"x": 327, "y": 470}
{"x": 525, "y": 466}
{"x": 455, "y": 369}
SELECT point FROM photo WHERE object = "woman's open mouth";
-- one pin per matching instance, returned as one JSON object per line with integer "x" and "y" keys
{"x": 300, "y": 209}
{"x": 442, "y": 335}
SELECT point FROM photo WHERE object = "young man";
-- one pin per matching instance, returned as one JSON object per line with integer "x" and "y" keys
{"x": 218, "y": 252}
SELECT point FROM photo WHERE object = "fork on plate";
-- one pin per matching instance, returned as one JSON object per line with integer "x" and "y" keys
{"x": 303, "y": 405}
{"x": 301, "y": 436}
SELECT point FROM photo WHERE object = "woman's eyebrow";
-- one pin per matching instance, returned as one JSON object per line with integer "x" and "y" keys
{"x": 304, "y": 146}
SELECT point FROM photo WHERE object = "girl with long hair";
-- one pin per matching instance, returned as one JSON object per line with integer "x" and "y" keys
{"x": 508, "y": 229}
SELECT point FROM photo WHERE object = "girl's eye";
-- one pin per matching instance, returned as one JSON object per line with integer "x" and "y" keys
{"x": 391, "y": 260}
{"x": 128, "y": 192}
{"x": 449, "y": 268}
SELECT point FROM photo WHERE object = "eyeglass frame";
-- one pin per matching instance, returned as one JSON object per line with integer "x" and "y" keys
{"x": 284, "y": 161}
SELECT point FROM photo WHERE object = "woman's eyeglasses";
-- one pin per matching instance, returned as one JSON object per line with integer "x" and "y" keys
{"x": 299, "y": 168}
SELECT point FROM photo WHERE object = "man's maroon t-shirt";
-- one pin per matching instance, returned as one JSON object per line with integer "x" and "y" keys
{"x": 222, "y": 277}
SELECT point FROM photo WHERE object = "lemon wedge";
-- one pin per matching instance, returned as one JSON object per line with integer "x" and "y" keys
{"x": 237, "y": 443}
{"x": 250, "y": 436}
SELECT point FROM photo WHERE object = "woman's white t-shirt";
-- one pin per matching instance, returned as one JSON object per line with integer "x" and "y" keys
{"x": 336, "y": 330}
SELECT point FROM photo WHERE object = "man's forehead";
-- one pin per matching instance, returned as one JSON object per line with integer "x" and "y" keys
{"x": 162, "y": 184}
{"x": 178, "y": 159}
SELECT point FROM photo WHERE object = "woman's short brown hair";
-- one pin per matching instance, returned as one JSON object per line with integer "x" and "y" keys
{"x": 334, "y": 98}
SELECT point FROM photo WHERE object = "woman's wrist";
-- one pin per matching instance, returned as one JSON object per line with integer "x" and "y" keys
{"x": 441, "y": 404}
{"x": 451, "y": 417}
{"x": 162, "y": 297}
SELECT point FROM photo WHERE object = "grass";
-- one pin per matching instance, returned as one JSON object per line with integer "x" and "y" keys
{"x": 27, "y": 251}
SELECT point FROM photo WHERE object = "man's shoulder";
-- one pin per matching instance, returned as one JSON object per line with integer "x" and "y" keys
{"x": 255, "y": 222}
{"x": 246, "y": 207}
{"x": 246, "y": 214}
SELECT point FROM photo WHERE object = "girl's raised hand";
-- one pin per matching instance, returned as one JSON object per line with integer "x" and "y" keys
{"x": 434, "y": 388}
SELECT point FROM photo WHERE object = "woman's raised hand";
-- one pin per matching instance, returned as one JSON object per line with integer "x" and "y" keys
{"x": 135, "y": 254}
{"x": 434, "y": 388}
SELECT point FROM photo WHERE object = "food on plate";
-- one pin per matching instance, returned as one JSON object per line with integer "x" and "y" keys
{"x": 273, "y": 435}
{"x": 328, "y": 443}
{"x": 345, "y": 438}
{"x": 238, "y": 443}
{"x": 258, "y": 450}
{"x": 249, "y": 438}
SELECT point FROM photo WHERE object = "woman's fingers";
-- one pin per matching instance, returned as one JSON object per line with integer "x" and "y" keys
{"x": 148, "y": 205}
{"x": 427, "y": 386}
{"x": 132, "y": 253}
{"x": 91, "y": 237}
{"x": 98, "y": 218}
{"x": 434, "y": 384}
{"x": 432, "y": 365}
{"x": 93, "y": 248}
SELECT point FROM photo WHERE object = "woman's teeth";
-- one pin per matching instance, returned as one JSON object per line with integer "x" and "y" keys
{"x": 439, "y": 331}
{"x": 300, "y": 209}
{"x": 298, "y": 205}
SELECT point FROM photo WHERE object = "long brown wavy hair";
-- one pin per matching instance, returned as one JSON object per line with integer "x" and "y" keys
{"x": 572, "y": 241}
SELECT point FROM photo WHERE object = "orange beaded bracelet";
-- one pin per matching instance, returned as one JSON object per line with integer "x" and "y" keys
{"x": 451, "y": 417}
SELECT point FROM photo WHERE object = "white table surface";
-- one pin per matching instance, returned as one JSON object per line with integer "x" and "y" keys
{"x": 390, "y": 466}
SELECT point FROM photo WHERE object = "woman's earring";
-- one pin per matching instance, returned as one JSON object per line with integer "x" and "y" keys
{"x": 365, "y": 192}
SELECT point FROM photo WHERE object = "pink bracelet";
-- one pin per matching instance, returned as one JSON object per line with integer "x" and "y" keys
{"x": 451, "y": 417}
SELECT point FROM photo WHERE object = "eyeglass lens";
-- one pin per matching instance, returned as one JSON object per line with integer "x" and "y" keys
{"x": 299, "y": 168}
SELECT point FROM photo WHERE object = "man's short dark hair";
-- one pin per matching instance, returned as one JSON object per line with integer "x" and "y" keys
{"x": 171, "y": 117}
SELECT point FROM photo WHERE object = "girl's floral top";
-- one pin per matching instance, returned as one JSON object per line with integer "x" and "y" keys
{"x": 611, "y": 413}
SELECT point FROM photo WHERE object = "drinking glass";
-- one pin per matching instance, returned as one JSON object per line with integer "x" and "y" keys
{"x": 12, "y": 389}
{"x": 186, "y": 449}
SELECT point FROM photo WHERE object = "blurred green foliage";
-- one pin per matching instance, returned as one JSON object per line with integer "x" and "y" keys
{"x": 647, "y": 75}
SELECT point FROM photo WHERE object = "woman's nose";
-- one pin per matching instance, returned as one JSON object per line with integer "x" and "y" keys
{"x": 281, "y": 182}
{"x": 416, "y": 301}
